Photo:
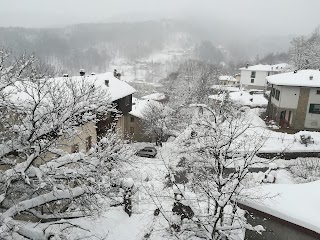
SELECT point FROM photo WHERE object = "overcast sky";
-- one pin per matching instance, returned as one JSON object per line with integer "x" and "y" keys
{"x": 263, "y": 16}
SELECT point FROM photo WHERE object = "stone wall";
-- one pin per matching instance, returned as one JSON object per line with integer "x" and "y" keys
{"x": 299, "y": 120}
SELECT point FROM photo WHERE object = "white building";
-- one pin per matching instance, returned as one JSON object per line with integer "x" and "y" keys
{"x": 295, "y": 99}
{"x": 254, "y": 77}
{"x": 228, "y": 80}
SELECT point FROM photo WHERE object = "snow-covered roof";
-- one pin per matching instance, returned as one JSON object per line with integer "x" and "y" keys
{"x": 117, "y": 88}
{"x": 155, "y": 96}
{"x": 302, "y": 78}
{"x": 243, "y": 98}
{"x": 270, "y": 68}
{"x": 281, "y": 66}
{"x": 139, "y": 106}
{"x": 225, "y": 88}
{"x": 283, "y": 201}
{"x": 227, "y": 78}
{"x": 218, "y": 97}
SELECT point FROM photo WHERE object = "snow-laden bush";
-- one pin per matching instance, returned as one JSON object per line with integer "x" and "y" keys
{"x": 306, "y": 170}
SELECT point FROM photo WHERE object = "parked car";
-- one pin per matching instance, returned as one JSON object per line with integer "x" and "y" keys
{"x": 147, "y": 152}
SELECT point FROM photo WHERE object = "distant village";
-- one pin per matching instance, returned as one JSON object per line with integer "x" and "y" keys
{"x": 290, "y": 99}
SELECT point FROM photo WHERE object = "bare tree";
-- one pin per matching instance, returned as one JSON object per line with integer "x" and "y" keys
{"x": 158, "y": 121}
{"x": 222, "y": 153}
{"x": 37, "y": 177}
{"x": 217, "y": 156}
{"x": 191, "y": 83}
{"x": 304, "y": 52}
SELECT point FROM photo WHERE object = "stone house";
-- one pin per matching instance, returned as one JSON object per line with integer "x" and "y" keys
{"x": 294, "y": 100}
{"x": 121, "y": 96}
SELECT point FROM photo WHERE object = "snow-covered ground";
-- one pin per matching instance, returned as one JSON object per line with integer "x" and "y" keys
{"x": 152, "y": 68}
{"x": 168, "y": 55}
{"x": 277, "y": 141}
{"x": 114, "y": 224}
{"x": 149, "y": 180}
{"x": 130, "y": 72}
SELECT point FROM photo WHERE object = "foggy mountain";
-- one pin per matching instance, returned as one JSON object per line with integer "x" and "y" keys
{"x": 93, "y": 46}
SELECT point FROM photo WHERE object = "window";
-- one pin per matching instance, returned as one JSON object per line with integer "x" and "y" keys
{"x": 268, "y": 73}
{"x": 131, "y": 119}
{"x": 74, "y": 148}
{"x": 88, "y": 143}
{"x": 131, "y": 130}
{"x": 289, "y": 117}
{"x": 277, "y": 94}
{"x": 318, "y": 91}
{"x": 127, "y": 100}
{"x": 253, "y": 74}
{"x": 273, "y": 91}
{"x": 252, "y": 80}
{"x": 106, "y": 82}
{"x": 314, "y": 108}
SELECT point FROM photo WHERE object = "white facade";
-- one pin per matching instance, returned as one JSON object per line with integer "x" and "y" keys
{"x": 313, "y": 119}
{"x": 259, "y": 80}
{"x": 288, "y": 98}
{"x": 255, "y": 76}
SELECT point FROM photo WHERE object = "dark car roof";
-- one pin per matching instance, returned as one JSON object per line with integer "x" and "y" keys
{"x": 149, "y": 148}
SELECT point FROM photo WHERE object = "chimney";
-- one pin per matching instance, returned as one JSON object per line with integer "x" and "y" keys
{"x": 295, "y": 71}
{"x": 247, "y": 65}
{"x": 82, "y": 72}
{"x": 311, "y": 77}
{"x": 116, "y": 74}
